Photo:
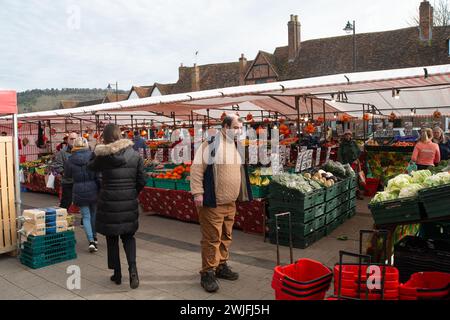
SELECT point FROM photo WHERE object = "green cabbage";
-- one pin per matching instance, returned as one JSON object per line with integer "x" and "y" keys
{"x": 410, "y": 191}
{"x": 398, "y": 183}
{"x": 384, "y": 196}
{"x": 420, "y": 176}
{"x": 437, "y": 179}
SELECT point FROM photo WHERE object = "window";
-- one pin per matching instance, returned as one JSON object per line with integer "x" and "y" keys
{"x": 259, "y": 81}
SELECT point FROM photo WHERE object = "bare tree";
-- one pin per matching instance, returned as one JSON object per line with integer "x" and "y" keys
{"x": 441, "y": 14}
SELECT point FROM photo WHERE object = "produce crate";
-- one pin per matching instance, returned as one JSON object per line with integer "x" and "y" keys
{"x": 34, "y": 250}
{"x": 183, "y": 185}
{"x": 341, "y": 219}
{"x": 297, "y": 242}
{"x": 345, "y": 196}
{"x": 332, "y": 204}
{"x": 352, "y": 193}
{"x": 345, "y": 185}
{"x": 165, "y": 184}
{"x": 301, "y": 216}
{"x": 150, "y": 182}
{"x": 436, "y": 201}
{"x": 47, "y": 259}
{"x": 319, "y": 210}
{"x": 353, "y": 183}
{"x": 259, "y": 192}
{"x": 299, "y": 230}
{"x": 319, "y": 222}
{"x": 321, "y": 233}
{"x": 351, "y": 213}
{"x": 331, "y": 192}
{"x": 331, "y": 216}
{"x": 291, "y": 197}
{"x": 51, "y": 239}
{"x": 396, "y": 211}
{"x": 319, "y": 197}
{"x": 352, "y": 203}
{"x": 332, "y": 226}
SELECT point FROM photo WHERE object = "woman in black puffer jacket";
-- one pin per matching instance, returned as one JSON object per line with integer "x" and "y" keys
{"x": 122, "y": 175}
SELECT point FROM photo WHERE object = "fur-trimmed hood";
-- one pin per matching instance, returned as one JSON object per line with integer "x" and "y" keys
{"x": 103, "y": 150}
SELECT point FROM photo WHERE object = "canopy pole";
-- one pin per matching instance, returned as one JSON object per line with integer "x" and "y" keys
{"x": 115, "y": 120}
{"x": 324, "y": 121}
{"x": 16, "y": 172}
{"x": 364, "y": 121}
{"x": 297, "y": 107}
{"x": 373, "y": 118}
{"x": 312, "y": 109}
{"x": 81, "y": 127}
{"x": 50, "y": 129}
{"x": 207, "y": 114}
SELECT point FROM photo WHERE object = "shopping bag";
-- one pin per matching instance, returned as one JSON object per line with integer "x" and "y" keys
{"x": 51, "y": 181}
{"x": 21, "y": 176}
{"x": 411, "y": 167}
{"x": 361, "y": 175}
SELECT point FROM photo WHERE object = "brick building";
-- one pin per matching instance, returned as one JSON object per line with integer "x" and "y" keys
{"x": 404, "y": 48}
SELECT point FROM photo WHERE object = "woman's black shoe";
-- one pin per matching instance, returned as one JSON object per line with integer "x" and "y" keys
{"x": 116, "y": 278}
{"x": 134, "y": 278}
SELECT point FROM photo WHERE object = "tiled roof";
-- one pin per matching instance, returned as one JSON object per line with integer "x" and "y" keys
{"x": 141, "y": 91}
{"x": 112, "y": 97}
{"x": 68, "y": 104}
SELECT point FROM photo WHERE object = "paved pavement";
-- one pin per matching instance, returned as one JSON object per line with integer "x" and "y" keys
{"x": 168, "y": 254}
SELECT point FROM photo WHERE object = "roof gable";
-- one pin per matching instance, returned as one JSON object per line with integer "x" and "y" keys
{"x": 262, "y": 58}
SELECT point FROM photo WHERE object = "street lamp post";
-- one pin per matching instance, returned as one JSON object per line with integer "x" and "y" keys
{"x": 117, "y": 90}
{"x": 349, "y": 28}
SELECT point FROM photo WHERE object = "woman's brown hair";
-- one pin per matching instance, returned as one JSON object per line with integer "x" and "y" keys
{"x": 427, "y": 135}
{"x": 111, "y": 133}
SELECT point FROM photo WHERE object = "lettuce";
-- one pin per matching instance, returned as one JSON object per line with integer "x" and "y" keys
{"x": 420, "y": 176}
{"x": 437, "y": 180}
{"x": 410, "y": 191}
{"x": 398, "y": 183}
{"x": 384, "y": 196}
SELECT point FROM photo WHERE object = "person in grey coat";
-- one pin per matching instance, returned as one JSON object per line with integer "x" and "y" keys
{"x": 58, "y": 167}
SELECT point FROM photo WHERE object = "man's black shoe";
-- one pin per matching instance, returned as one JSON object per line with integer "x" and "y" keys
{"x": 224, "y": 272}
{"x": 209, "y": 282}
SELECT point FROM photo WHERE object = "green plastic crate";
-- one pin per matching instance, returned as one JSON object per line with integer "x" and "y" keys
{"x": 351, "y": 213}
{"x": 332, "y": 226}
{"x": 396, "y": 211}
{"x": 291, "y": 197}
{"x": 345, "y": 196}
{"x": 298, "y": 229}
{"x": 319, "y": 210}
{"x": 352, "y": 193}
{"x": 183, "y": 185}
{"x": 165, "y": 184}
{"x": 436, "y": 201}
{"x": 297, "y": 242}
{"x": 321, "y": 233}
{"x": 331, "y": 216}
{"x": 44, "y": 260}
{"x": 300, "y": 216}
{"x": 352, "y": 203}
{"x": 33, "y": 250}
{"x": 331, "y": 192}
{"x": 332, "y": 204}
{"x": 345, "y": 185}
{"x": 319, "y": 197}
{"x": 150, "y": 182}
{"x": 319, "y": 222}
{"x": 50, "y": 239}
{"x": 259, "y": 192}
{"x": 353, "y": 183}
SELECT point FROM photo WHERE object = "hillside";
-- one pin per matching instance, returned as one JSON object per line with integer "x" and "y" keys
{"x": 49, "y": 99}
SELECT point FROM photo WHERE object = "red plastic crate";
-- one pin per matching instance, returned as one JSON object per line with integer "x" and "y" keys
{"x": 426, "y": 285}
{"x": 371, "y": 186}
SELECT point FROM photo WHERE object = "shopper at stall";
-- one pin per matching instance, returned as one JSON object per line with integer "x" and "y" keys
{"x": 62, "y": 144}
{"x": 349, "y": 153}
{"x": 139, "y": 143}
{"x": 58, "y": 166}
{"x": 443, "y": 143}
{"x": 122, "y": 175}
{"x": 218, "y": 179}
{"x": 4, "y": 134}
{"x": 85, "y": 187}
{"x": 426, "y": 153}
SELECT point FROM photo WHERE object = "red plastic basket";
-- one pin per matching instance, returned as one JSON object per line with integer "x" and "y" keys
{"x": 426, "y": 285}
{"x": 371, "y": 186}
{"x": 304, "y": 280}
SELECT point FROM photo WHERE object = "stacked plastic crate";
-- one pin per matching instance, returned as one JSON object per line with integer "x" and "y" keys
{"x": 48, "y": 240}
{"x": 313, "y": 215}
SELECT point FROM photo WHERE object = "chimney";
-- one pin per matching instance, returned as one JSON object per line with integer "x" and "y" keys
{"x": 294, "y": 38}
{"x": 196, "y": 78}
{"x": 242, "y": 69}
{"x": 426, "y": 21}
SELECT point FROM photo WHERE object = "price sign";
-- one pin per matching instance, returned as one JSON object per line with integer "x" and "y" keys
{"x": 160, "y": 155}
{"x": 277, "y": 167}
{"x": 318, "y": 152}
{"x": 253, "y": 154}
{"x": 298, "y": 166}
{"x": 282, "y": 151}
{"x": 328, "y": 154}
{"x": 307, "y": 160}
{"x": 408, "y": 128}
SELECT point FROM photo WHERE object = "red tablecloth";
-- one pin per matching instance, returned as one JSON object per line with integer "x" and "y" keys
{"x": 179, "y": 205}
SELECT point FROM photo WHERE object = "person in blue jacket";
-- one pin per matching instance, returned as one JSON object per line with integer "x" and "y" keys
{"x": 85, "y": 187}
{"x": 139, "y": 143}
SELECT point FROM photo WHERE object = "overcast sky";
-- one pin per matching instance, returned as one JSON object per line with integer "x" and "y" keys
{"x": 89, "y": 43}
